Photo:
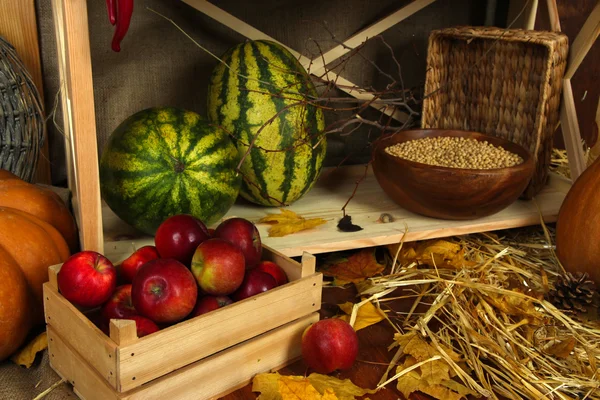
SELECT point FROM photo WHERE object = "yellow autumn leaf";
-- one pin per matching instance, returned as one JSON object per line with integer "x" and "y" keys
{"x": 289, "y": 222}
{"x": 354, "y": 268}
{"x": 435, "y": 252}
{"x": 413, "y": 344}
{"x": 343, "y": 389}
{"x": 431, "y": 378}
{"x": 561, "y": 348}
{"x": 273, "y": 386}
{"x": 367, "y": 314}
{"x": 297, "y": 388}
{"x": 26, "y": 356}
{"x": 285, "y": 216}
{"x": 517, "y": 305}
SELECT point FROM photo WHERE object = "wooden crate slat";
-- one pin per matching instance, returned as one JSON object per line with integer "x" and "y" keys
{"x": 228, "y": 370}
{"x": 89, "y": 341}
{"x": 153, "y": 356}
{"x": 67, "y": 363}
{"x": 211, "y": 377}
{"x": 328, "y": 196}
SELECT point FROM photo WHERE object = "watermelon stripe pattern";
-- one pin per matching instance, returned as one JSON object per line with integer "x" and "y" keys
{"x": 167, "y": 161}
{"x": 263, "y": 92}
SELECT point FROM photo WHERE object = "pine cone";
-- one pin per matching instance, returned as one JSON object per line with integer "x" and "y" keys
{"x": 573, "y": 292}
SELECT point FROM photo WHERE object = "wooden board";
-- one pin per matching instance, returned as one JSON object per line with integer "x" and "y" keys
{"x": 328, "y": 196}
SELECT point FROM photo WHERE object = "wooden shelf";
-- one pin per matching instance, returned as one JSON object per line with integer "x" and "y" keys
{"x": 326, "y": 199}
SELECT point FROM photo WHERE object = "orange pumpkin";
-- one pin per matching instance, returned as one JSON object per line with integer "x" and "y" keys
{"x": 42, "y": 203}
{"x": 28, "y": 241}
{"x": 15, "y": 300}
{"x": 4, "y": 174}
{"x": 578, "y": 225}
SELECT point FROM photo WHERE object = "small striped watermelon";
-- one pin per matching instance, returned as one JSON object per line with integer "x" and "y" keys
{"x": 264, "y": 92}
{"x": 166, "y": 161}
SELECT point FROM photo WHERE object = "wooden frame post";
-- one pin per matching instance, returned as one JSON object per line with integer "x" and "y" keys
{"x": 568, "y": 114}
{"x": 79, "y": 119}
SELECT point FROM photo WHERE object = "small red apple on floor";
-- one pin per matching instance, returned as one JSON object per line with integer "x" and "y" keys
{"x": 255, "y": 282}
{"x": 140, "y": 257}
{"x": 87, "y": 279}
{"x": 243, "y": 234}
{"x": 274, "y": 270}
{"x": 119, "y": 305}
{"x": 218, "y": 266}
{"x": 209, "y": 303}
{"x": 164, "y": 290}
{"x": 328, "y": 345}
{"x": 178, "y": 236}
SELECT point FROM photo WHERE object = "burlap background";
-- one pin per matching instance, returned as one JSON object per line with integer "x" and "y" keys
{"x": 159, "y": 66}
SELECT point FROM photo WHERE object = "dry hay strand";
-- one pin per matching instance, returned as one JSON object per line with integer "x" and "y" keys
{"x": 511, "y": 341}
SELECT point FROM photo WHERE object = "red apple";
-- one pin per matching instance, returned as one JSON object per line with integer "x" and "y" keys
{"x": 218, "y": 266}
{"x": 140, "y": 257}
{"x": 119, "y": 305}
{"x": 178, "y": 236}
{"x": 243, "y": 234}
{"x": 211, "y": 232}
{"x": 274, "y": 270}
{"x": 329, "y": 344}
{"x": 164, "y": 290}
{"x": 255, "y": 282}
{"x": 87, "y": 279}
{"x": 143, "y": 325}
{"x": 209, "y": 303}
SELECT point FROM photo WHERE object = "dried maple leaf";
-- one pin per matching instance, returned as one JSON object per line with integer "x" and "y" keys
{"x": 432, "y": 378}
{"x": 289, "y": 222}
{"x": 291, "y": 388}
{"x": 26, "y": 356}
{"x": 273, "y": 386}
{"x": 413, "y": 344}
{"x": 517, "y": 305}
{"x": 355, "y": 268}
{"x": 438, "y": 253}
{"x": 561, "y": 348}
{"x": 366, "y": 315}
{"x": 343, "y": 389}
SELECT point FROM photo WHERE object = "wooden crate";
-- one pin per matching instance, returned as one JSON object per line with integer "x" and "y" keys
{"x": 198, "y": 358}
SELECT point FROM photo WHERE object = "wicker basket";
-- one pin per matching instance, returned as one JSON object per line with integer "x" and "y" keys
{"x": 21, "y": 116}
{"x": 500, "y": 82}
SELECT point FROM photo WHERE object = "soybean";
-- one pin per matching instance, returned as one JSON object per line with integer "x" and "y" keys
{"x": 455, "y": 152}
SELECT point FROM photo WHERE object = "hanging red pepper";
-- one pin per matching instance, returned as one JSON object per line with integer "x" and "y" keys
{"x": 123, "y": 10}
{"x": 111, "y": 5}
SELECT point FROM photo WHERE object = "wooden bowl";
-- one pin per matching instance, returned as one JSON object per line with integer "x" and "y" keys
{"x": 450, "y": 193}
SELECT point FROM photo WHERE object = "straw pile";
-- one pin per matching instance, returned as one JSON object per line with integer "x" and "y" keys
{"x": 482, "y": 322}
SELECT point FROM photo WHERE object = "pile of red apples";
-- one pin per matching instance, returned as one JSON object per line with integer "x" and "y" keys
{"x": 190, "y": 271}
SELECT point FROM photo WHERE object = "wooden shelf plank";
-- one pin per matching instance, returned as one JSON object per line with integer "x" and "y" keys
{"x": 329, "y": 195}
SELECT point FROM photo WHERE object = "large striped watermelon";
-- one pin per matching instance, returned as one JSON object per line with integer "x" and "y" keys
{"x": 264, "y": 91}
{"x": 166, "y": 161}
